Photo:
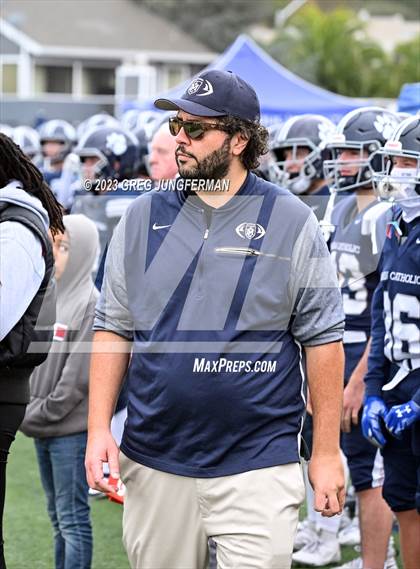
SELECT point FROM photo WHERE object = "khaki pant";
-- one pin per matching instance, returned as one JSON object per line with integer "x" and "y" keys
{"x": 251, "y": 516}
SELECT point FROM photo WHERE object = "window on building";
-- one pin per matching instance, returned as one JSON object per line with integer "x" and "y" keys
{"x": 53, "y": 79}
{"x": 175, "y": 76}
{"x": 9, "y": 78}
{"x": 98, "y": 81}
{"x": 136, "y": 81}
{"x": 131, "y": 87}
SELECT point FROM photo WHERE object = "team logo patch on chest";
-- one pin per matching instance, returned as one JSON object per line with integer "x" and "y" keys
{"x": 250, "y": 231}
{"x": 60, "y": 331}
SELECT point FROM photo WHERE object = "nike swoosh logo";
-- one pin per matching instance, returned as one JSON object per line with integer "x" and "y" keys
{"x": 159, "y": 226}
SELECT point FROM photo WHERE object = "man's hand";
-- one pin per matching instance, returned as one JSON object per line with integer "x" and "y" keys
{"x": 101, "y": 448}
{"x": 352, "y": 401}
{"x": 373, "y": 410}
{"x": 107, "y": 370}
{"x": 326, "y": 475}
{"x": 400, "y": 417}
{"x": 325, "y": 367}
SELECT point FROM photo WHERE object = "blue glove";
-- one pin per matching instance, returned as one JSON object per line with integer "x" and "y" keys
{"x": 374, "y": 408}
{"x": 400, "y": 417}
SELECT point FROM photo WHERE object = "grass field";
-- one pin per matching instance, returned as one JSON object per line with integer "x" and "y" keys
{"x": 28, "y": 535}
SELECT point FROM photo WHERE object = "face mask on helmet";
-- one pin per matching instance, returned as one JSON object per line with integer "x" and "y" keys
{"x": 359, "y": 134}
{"x": 396, "y": 183}
{"x": 299, "y": 146}
{"x": 96, "y": 166}
{"x": 57, "y": 138}
{"x": 108, "y": 153}
{"x": 349, "y": 168}
{"x": 298, "y": 164}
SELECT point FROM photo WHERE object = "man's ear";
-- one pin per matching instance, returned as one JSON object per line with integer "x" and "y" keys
{"x": 238, "y": 143}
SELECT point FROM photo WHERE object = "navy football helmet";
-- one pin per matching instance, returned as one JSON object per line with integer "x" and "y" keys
{"x": 58, "y": 131}
{"x": 391, "y": 182}
{"x": 364, "y": 131}
{"x": 117, "y": 151}
{"x": 28, "y": 139}
{"x": 303, "y": 131}
{"x": 129, "y": 119}
{"x": 134, "y": 119}
{"x": 96, "y": 121}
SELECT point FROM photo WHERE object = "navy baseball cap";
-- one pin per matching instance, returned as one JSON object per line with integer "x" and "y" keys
{"x": 216, "y": 93}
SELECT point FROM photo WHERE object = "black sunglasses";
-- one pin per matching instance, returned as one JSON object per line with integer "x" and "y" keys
{"x": 193, "y": 129}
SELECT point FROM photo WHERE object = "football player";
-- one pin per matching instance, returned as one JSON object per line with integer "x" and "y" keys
{"x": 299, "y": 148}
{"x": 57, "y": 138}
{"x": 28, "y": 139}
{"x": 391, "y": 416}
{"x": 108, "y": 155}
{"x": 359, "y": 223}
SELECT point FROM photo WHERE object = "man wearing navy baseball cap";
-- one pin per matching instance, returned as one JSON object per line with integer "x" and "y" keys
{"x": 218, "y": 118}
{"x": 217, "y": 295}
{"x": 216, "y": 94}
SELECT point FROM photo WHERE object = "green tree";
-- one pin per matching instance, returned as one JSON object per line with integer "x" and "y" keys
{"x": 331, "y": 49}
{"x": 215, "y": 23}
{"x": 406, "y": 63}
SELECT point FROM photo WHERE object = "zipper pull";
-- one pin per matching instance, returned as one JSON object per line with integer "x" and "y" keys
{"x": 206, "y": 233}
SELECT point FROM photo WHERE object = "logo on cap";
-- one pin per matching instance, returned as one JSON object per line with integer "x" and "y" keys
{"x": 200, "y": 84}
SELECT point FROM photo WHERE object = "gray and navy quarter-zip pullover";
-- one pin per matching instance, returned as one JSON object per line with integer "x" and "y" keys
{"x": 218, "y": 305}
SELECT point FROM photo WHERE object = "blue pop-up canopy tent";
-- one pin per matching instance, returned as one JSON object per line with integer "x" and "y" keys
{"x": 281, "y": 92}
{"x": 409, "y": 98}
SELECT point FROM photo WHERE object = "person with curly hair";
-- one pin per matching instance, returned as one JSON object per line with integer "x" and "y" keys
{"x": 216, "y": 293}
{"x": 28, "y": 209}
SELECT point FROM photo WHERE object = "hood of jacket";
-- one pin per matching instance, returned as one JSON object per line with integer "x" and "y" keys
{"x": 75, "y": 288}
{"x": 15, "y": 193}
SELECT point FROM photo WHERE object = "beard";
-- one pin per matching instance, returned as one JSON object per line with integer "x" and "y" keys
{"x": 213, "y": 167}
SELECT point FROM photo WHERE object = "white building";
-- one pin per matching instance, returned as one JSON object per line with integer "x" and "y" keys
{"x": 71, "y": 58}
{"x": 389, "y": 31}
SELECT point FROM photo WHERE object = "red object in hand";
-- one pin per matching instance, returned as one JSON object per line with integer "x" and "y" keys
{"x": 118, "y": 494}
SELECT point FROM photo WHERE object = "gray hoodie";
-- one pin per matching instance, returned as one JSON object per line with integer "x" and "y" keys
{"x": 21, "y": 280}
{"x": 59, "y": 387}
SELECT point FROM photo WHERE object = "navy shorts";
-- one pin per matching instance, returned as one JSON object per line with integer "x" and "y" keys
{"x": 401, "y": 488}
{"x": 353, "y": 354}
{"x": 364, "y": 460}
